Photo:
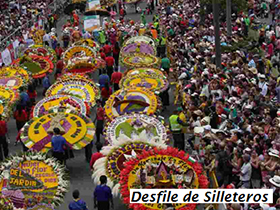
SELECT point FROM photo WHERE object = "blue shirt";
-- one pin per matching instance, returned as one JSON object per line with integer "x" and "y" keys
{"x": 102, "y": 193}
{"x": 57, "y": 143}
{"x": 46, "y": 82}
{"x": 252, "y": 64}
{"x": 24, "y": 98}
{"x": 78, "y": 205}
{"x": 103, "y": 79}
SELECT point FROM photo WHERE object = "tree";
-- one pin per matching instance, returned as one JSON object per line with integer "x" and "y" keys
{"x": 217, "y": 32}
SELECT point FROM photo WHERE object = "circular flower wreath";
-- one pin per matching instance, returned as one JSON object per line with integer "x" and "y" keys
{"x": 144, "y": 70}
{"x": 32, "y": 138}
{"x": 16, "y": 80}
{"x": 135, "y": 60}
{"x": 147, "y": 39}
{"x": 9, "y": 95}
{"x": 150, "y": 81}
{"x": 59, "y": 169}
{"x": 90, "y": 42}
{"x": 170, "y": 151}
{"x": 10, "y": 71}
{"x": 75, "y": 102}
{"x": 115, "y": 155}
{"x": 142, "y": 46}
{"x": 72, "y": 51}
{"x": 6, "y": 203}
{"x": 91, "y": 91}
{"x": 42, "y": 50}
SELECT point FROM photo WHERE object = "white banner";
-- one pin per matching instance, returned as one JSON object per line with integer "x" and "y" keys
{"x": 92, "y": 23}
{"x": 94, "y": 4}
{"x": 179, "y": 196}
{"x": 6, "y": 57}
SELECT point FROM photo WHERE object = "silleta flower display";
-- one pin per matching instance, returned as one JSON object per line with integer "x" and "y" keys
{"x": 78, "y": 50}
{"x": 12, "y": 71}
{"x": 137, "y": 59}
{"x": 78, "y": 130}
{"x": 115, "y": 155}
{"x": 30, "y": 178}
{"x": 134, "y": 100}
{"x": 152, "y": 81}
{"x": 164, "y": 168}
{"x": 142, "y": 47}
{"x": 80, "y": 88}
{"x": 59, "y": 101}
{"x": 134, "y": 125}
{"x": 41, "y": 50}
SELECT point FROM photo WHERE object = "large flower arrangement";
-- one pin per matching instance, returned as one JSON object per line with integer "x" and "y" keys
{"x": 75, "y": 51}
{"x": 116, "y": 154}
{"x": 13, "y": 82}
{"x": 147, "y": 127}
{"x": 89, "y": 43}
{"x": 80, "y": 88}
{"x": 11, "y": 71}
{"x": 151, "y": 81}
{"x": 38, "y": 66}
{"x": 8, "y": 95}
{"x": 6, "y": 203}
{"x": 79, "y": 130}
{"x": 144, "y": 70}
{"x": 23, "y": 160}
{"x": 5, "y": 109}
{"x": 137, "y": 59}
{"x": 146, "y": 39}
{"x": 133, "y": 100}
{"x": 161, "y": 168}
{"x": 41, "y": 50}
{"x": 58, "y": 101}
{"x": 142, "y": 47}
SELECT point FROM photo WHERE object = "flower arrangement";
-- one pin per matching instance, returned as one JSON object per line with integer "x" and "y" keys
{"x": 81, "y": 88}
{"x": 88, "y": 42}
{"x": 136, "y": 71}
{"x": 132, "y": 100}
{"x": 8, "y": 96}
{"x": 151, "y": 81}
{"x": 12, "y": 71}
{"x": 146, "y": 39}
{"x": 135, "y": 60}
{"x": 41, "y": 50}
{"x": 79, "y": 130}
{"x": 22, "y": 160}
{"x": 148, "y": 127}
{"x": 74, "y": 50}
{"x": 138, "y": 46}
{"x": 57, "y": 101}
{"x": 161, "y": 168}
{"x": 117, "y": 154}
{"x": 37, "y": 65}
{"x": 6, "y": 203}
{"x": 83, "y": 64}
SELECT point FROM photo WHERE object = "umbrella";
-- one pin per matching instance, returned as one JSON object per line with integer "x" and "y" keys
{"x": 78, "y": 130}
{"x": 101, "y": 12}
{"x": 80, "y": 6}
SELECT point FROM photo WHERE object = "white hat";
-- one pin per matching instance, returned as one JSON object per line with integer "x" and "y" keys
{"x": 206, "y": 119}
{"x": 239, "y": 141}
{"x": 248, "y": 107}
{"x": 142, "y": 25}
{"x": 183, "y": 76}
{"x": 274, "y": 153}
{"x": 76, "y": 28}
{"x": 207, "y": 127}
{"x": 247, "y": 149}
{"x": 198, "y": 112}
{"x": 262, "y": 76}
{"x": 275, "y": 181}
{"x": 215, "y": 76}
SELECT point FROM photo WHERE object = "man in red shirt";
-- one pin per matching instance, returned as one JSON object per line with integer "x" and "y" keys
{"x": 107, "y": 49}
{"x": 110, "y": 65}
{"x": 3, "y": 140}
{"x": 115, "y": 80}
{"x": 58, "y": 51}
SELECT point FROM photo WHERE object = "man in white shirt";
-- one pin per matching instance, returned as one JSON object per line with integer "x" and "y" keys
{"x": 263, "y": 85}
{"x": 246, "y": 172}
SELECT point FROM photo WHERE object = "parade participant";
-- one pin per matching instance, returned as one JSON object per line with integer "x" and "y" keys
{"x": 3, "y": 139}
{"x": 103, "y": 195}
{"x": 58, "y": 146}
{"x": 100, "y": 116}
{"x": 76, "y": 19}
{"x": 31, "y": 92}
{"x": 65, "y": 38}
{"x": 109, "y": 64}
{"x": 107, "y": 49}
{"x": 77, "y": 203}
{"x": 20, "y": 116}
{"x": 116, "y": 53}
{"x": 58, "y": 51}
{"x": 176, "y": 130}
{"x": 76, "y": 35}
{"x": 102, "y": 37}
{"x": 46, "y": 83}
{"x": 115, "y": 80}
{"x": 106, "y": 92}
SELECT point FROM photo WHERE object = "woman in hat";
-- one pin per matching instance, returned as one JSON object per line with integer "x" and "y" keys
{"x": 271, "y": 164}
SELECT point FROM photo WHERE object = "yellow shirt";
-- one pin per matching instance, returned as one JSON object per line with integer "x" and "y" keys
{"x": 142, "y": 31}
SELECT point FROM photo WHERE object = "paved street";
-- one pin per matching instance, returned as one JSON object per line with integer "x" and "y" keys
{"x": 78, "y": 168}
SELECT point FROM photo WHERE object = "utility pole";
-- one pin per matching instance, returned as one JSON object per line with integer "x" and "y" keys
{"x": 229, "y": 17}
{"x": 216, "y": 14}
